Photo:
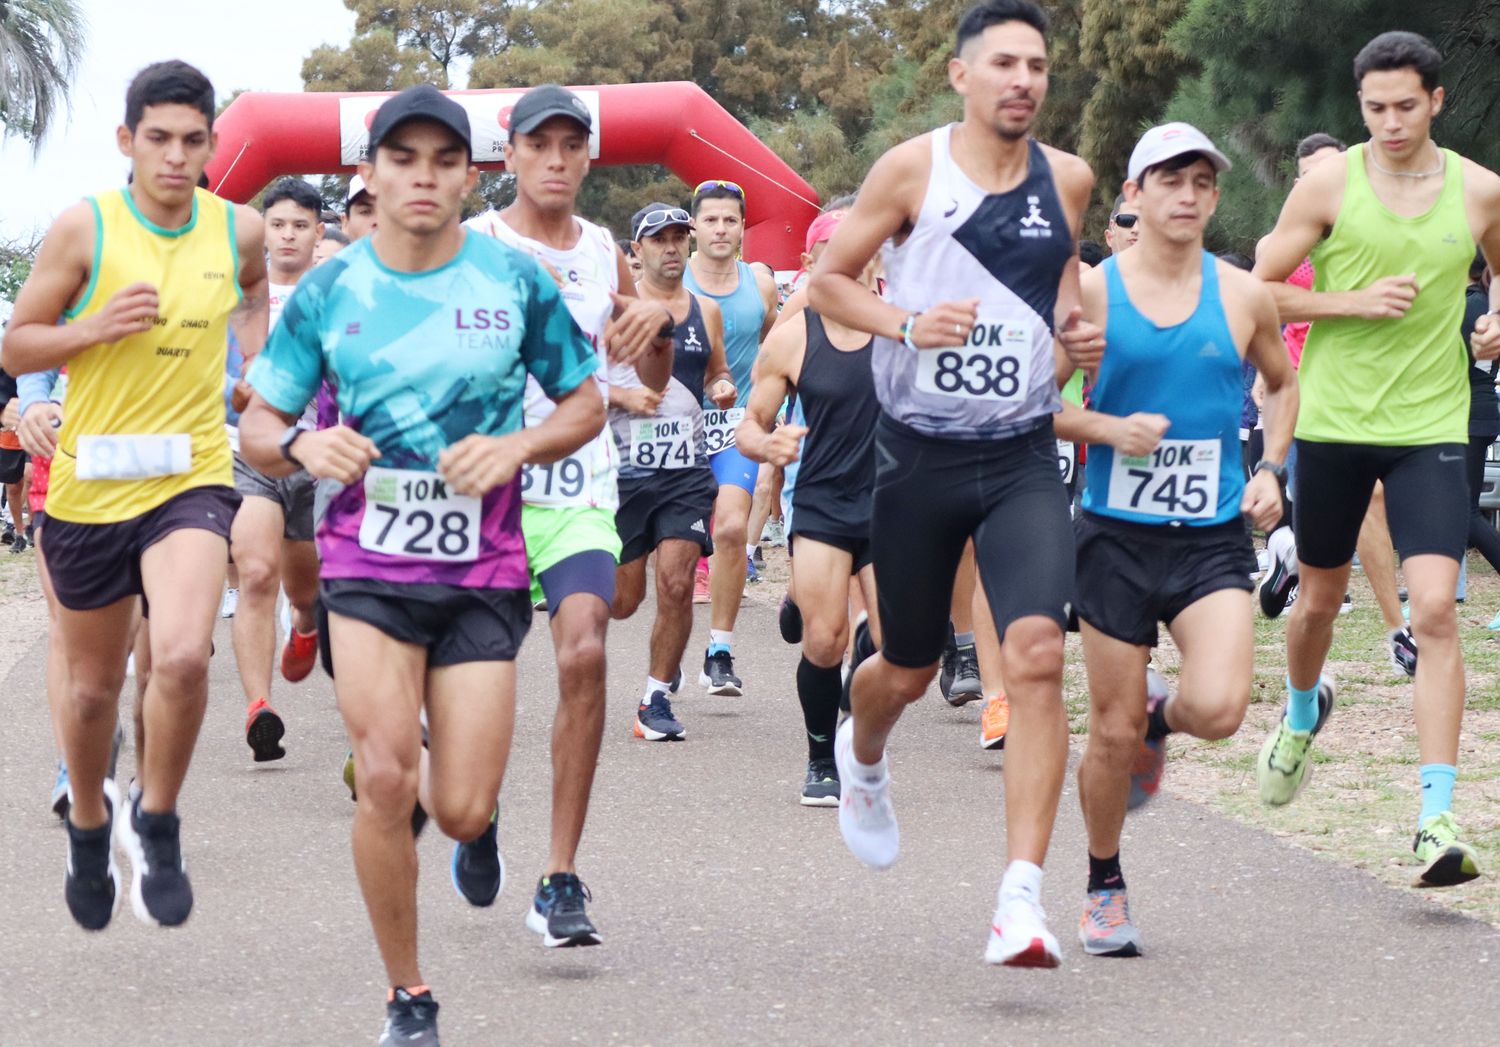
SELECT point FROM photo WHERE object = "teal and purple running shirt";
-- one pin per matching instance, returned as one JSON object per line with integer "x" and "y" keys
{"x": 419, "y": 361}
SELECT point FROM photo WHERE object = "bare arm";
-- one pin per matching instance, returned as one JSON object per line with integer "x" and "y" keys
{"x": 780, "y": 359}
{"x": 637, "y": 327}
{"x": 1274, "y": 369}
{"x": 33, "y": 340}
{"x": 1081, "y": 338}
{"x": 718, "y": 383}
{"x": 766, "y": 283}
{"x": 1485, "y": 342}
{"x": 250, "y": 318}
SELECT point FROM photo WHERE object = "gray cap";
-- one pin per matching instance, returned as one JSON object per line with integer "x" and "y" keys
{"x": 1166, "y": 141}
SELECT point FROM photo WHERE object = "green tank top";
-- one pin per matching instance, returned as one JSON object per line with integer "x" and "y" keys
{"x": 1391, "y": 382}
{"x": 1073, "y": 391}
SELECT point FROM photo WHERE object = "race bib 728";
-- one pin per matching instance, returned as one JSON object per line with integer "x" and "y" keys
{"x": 412, "y": 514}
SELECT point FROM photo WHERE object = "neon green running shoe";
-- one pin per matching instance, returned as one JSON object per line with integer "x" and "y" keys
{"x": 349, "y": 775}
{"x": 1282, "y": 767}
{"x": 1446, "y": 860}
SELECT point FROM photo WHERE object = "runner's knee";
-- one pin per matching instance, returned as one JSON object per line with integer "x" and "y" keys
{"x": 1033, "y": 654}
{"x": 729, "y": 530}
{"x": 259, "y": 574}
{"x": 675, "y": 588}
{"x": 460, "y": 818}
{"x": 180, "y": 667}
{"x": 387, "y": 782}
{"x": 824, "y": 642}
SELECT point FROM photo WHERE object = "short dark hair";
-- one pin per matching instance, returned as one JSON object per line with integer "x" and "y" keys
{"x": 297, "y": 191}
{"x": 1177, "y": 163}
{"x": 1316, "y": 143}
{"x": 1400, "y": 50}
{"x": 718, "y": 192}
{"x": 1090, "y": 252}
{"x": 997, "y": 12}
{"x": 334, "y": 233}
{"x": 627, "y": 248}
{"x": 168, "y": 83}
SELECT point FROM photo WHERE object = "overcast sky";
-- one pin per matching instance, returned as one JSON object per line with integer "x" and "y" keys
{"x": 253, "y": 44}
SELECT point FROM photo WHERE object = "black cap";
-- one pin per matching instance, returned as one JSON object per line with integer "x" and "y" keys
{"x": 541, "y": 104}
{"x": 422, "y": 102}
{"x": 653, "y": 218}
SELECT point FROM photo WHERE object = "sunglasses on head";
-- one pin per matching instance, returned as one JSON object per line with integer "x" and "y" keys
{"x": 1124, "y": 221}
{"x": 667, "y": 215}
{"x": 714, "y": 183}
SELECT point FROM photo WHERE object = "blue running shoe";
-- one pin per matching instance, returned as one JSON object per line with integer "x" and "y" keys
{"x": 478, "y": 870}
{"x": 654, "y": 720}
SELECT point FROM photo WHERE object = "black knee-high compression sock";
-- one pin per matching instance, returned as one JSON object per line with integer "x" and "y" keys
{"x": 818, "y": 690}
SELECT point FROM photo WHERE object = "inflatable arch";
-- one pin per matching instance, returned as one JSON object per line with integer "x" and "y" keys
{"x": 265, "y": 135}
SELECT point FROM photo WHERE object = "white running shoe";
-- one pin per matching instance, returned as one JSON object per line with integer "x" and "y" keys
{"x": 866, "y": 817}
{"x": 1019, "y": 936}
{"x": 231, "y": 601}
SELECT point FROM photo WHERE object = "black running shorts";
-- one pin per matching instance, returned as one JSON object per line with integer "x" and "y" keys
{"x": 670, "y": 503}
{"x": 1426, "y": 499}
{"x": 94, "y": 565}
{"x": 931, "y": 495}
{"x": 455, "y": 624}
{"x": 856, "y": 545}
{"x": 1133, "y": 575}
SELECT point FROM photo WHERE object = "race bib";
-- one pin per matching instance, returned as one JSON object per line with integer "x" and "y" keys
{"x": 719, "y": 427}
{"x": 1067, "y": 459}
{"x": 662, "y": 443}
{"x": 995, "y": 364}
{"x": 1178, "y": 480}
{"x": 412, "y": 514}
{"x": 133, "y": 457}
{"x": 560, "y": 483}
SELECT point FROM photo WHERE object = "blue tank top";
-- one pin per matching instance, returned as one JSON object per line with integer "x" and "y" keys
{"x": 744, "y": 312}
{"x": 1189, "y": 372}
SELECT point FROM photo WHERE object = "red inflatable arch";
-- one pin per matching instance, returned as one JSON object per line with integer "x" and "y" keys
{"x": 263, "y": 136}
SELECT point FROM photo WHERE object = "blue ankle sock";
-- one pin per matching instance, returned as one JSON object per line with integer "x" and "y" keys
{"x": 1301, "y": 708}
{"x": 1437, "y": 789}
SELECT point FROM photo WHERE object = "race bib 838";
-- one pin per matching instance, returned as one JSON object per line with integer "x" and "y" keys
{"x": 994, "y": 364}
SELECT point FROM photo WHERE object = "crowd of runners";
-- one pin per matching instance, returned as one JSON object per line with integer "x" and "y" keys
{"x": 404, "y": 432}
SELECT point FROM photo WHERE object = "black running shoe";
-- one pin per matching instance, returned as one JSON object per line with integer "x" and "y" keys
{"x": 654, "y": 721}
{"x": 8, "y": 535}
{"x": 478, "y": 869}
{"x": 93, "y": 880}
{"x": 1404, "y": 650}
{"x": 1281, "y": 577}
{"x": 19, "y": 545}
{"x": 718, "y": 675}
{"x": 821, "y": 789}
{"x": 790, "y": 619}
{"x": 864, "y": 646}
{"x": 949, "y": 670}
{"x": 160, "y": 892}
{"x": 410, "y": 1021}
{"x": 559, "y": 913}
{"x": 963, "y": 686}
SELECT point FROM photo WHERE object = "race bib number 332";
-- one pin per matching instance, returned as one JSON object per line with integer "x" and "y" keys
{"x": 719, "y": 427}
{"x": 995, "y": 364}
{"x": 413, "y": 515}
{"x": 1178, "y": 480}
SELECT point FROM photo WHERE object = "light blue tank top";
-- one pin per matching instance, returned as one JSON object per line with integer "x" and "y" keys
{"x": 744, "y": 311}
{"x": 1189, "y": 372}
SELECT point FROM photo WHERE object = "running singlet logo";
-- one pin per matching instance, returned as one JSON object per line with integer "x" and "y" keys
{"x": 1179, "y": 480}
{"x": 412, "y": 514}
{"x": 995, "y": 364}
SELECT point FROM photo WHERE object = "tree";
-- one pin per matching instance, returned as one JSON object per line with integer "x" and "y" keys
{"x": 41, "y": 43}
{"x": 397, "y": 44}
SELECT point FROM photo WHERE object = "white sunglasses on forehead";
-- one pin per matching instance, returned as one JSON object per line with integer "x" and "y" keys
{"x": 670, "y": 215}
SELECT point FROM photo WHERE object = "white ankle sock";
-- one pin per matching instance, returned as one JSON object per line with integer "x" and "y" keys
{"x": 1022, "y": 880}
{"x": 652, "y": 686}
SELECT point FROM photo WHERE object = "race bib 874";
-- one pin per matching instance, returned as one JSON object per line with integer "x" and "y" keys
{"x": 662, "y": 443}
{"x": 412, "y": 514}
{"x": 1179, "y": 480}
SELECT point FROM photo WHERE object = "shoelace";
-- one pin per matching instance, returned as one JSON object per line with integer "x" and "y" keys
{"x": 1109, "y": 913}
{"x": 1286, "y": 742}
{"x": 663, "y": 706}
{"x": 966, "y": 665}
{"x": 722, "y": 661}
{"x": 570, "y": 895}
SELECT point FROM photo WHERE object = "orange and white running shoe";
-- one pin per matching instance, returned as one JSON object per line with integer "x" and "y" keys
{"x": 299, "y": 655}
{"x": 994, "y": 722}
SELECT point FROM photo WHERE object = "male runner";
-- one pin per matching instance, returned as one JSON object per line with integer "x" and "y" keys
{"x": 746, "y": 296}
{"x": 428, "y": 333}
{"x": 666, "y": 486}
{"x": 272, "y": 537}
{"x": 359, "y": 210}
{"x": 1162, "y": 535}
{"x": 980, "y": 269}
{"x": 1123, "y": 229}
{"x": 568, "y": 507}
{"x": 1391, "y": 226}
{"x": 148, "y": 278}
{"x": 827, "y": 365}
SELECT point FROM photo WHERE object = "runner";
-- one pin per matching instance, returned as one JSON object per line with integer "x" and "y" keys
{"x": 827, "y": 365}
{"x": 272, "y": 537}
{"x": 1123, "y": 229}
{"x": 359, "y": 210}
{"x": 424, "y": 574}
{"x": 149, "y": 278}
{"x": 1391, "y": 226}
{"x": 746, "y": 297}
{"x": 666, "y": 486}
{"x": 1163, "y": 535}
{"x": 568, "y": 508}
{"x": 983, "y": 225}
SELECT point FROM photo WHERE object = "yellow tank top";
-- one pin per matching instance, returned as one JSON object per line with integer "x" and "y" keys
{"x": 168, "y": 381}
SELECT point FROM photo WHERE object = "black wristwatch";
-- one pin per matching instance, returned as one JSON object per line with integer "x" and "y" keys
{"x": 287, "y": 439}
{"x": 1276, "y": 469}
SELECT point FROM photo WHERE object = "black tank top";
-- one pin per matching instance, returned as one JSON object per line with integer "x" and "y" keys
{"x": 690, "y": 350}
{"x": 836, "y": 481}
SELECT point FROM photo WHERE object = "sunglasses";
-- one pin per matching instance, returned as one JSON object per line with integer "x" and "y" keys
{"x": 714, "y": 183}
{"x": 662, "y": 215}
{"x": 1125, "y": 221}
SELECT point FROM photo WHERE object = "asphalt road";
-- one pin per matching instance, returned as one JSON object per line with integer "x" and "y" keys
{"x": 731, "y": 915}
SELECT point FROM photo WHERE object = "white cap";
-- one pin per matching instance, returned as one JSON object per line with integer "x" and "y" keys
{"x": 356, "y": 186}
{"x": 1166, "y": 141}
